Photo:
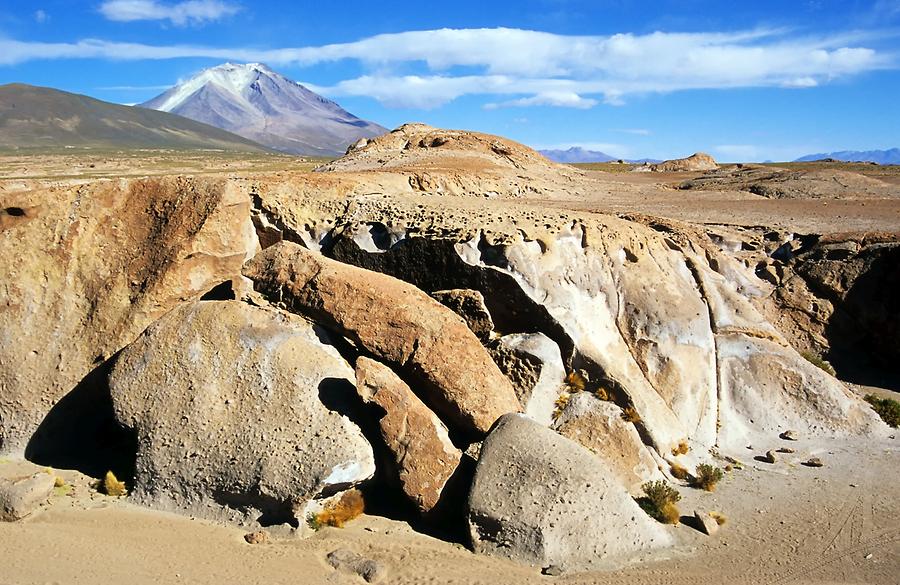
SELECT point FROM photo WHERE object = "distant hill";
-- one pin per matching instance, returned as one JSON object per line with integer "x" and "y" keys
{"x": 257, "y": 103}
{"x": 577, "y": 154}
{"x": 882, "y": 157}
{"x": 40, "y": 117}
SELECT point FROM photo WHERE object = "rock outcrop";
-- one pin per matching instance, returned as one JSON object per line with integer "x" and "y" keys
{"x": 424, "y": 455}
{"x": 89, "y": 267}
{"x": 397, "y": 323}
{"x": 781, "y": 183}
{"x": 541, "y": 499}
{"x": 238, "y": 414}
{"x": 699, "y": 161}
{"x": 598, "y": 426}
{"x": 642, "y": 306}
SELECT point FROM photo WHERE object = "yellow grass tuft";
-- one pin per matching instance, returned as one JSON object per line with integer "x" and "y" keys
{"x": 681, "y": 448}
{"x": 349, "y": 506}
{"x": 718, "y": 517}
{"x": 112, "y": 486}
{"x": 575, "y": 381}
{"x": 629, "y": 414}
{"x": 679, "y": 471}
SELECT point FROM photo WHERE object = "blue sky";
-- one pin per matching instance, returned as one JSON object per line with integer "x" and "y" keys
{"x": 741, "y": 80}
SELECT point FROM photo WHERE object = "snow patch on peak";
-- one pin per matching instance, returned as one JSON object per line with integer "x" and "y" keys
{"x": 233, "y": 78}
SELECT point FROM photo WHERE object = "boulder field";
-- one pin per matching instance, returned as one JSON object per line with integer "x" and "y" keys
{"x": 405, "y": 320}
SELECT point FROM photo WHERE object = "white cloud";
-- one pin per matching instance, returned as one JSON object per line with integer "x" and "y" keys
{"x": 559, "y": 99}
{"x": 526, "y": 68}
{"x": 634, "y": 131}
{"x": 180, "y": 13}
{"x": 41, "y": 16}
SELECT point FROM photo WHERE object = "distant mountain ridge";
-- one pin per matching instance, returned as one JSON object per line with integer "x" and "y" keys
{"x": 576, "y": 154}
{"x": 882, "y": 157}
{"x": 42, "y": 117}
{"x": 257, "y": 103}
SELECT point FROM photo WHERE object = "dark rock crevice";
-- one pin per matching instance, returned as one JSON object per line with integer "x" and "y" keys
{"x": 80, "y": 431}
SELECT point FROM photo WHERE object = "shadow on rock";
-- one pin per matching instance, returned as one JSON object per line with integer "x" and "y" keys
{"x": 865, "y": 331}
{"x": 80, "y": 432}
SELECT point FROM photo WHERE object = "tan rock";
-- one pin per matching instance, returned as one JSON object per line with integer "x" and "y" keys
{"x": 468, "y": 304}
{"x": 398, "y": 324}
{"x": 94, "y": 265}
{"x": 708, "y": 525}
{"x": 533, "y": 363}
{"x": 699, "y": 161}
{"x": 424, "y": 455}
{"x": 598, "y": 426}
{"x": 20, "y": 498}
{"x": 813, "y": 462}
{"x": 237, "y": 412}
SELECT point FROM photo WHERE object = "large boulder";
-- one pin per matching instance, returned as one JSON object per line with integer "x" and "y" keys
{"x": 398, "y": 324}
{"x": 418, "y": 440}
{"x": 238, "y": 412}
{"x": 87, "y": 268}
{"x": 598, "y": 426}
{"x": 541, "y": 499}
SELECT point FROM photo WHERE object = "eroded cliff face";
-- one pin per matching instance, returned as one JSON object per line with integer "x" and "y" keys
{"x": 87, "y": 268}
{"x": 655, "y": 315}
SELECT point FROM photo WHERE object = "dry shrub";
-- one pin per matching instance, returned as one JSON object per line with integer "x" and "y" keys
{"x": 560, "y": 404}
{"x": 681, "y": 448}
{"x": 679, "y": 471}
{"x": 349, "y": 506}
{"x": 602, "y": 393}
{"x": 718, "y": 517}
{"x": 575, "y": 381}
{"x": 112, "y": 486}
{"x": 659, "y": 502}
{"x": 708, "y": 476}
{"x": 629, "y": 414}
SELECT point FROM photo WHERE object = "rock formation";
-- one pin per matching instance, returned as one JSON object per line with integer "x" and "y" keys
{"x": 397, "y": 323}
{"x": 418, "y": 440}
{"x": 541, "y": 499}
{"x": 248, "y": 408}
{"x": 238, "y": 414}
{"x": 699, "y": 161}
{"x": 95, "y": 264}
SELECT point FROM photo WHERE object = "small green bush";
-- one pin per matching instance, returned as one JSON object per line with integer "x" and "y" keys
{"x": 887, "y": 408}
{"x": 708, "y": 476}
{"x": 659, "y": 502}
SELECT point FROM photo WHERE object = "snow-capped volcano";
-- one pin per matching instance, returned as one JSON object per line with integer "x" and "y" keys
{"x": 255, "y": 102}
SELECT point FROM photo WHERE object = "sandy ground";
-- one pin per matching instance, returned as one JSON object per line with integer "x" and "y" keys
{"x": 787, "y": 524}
